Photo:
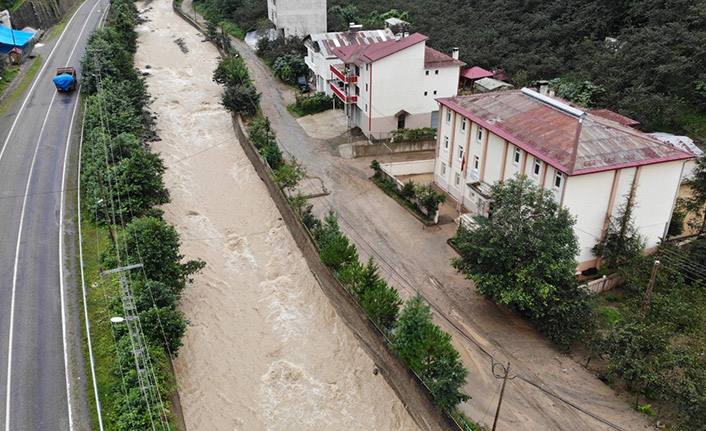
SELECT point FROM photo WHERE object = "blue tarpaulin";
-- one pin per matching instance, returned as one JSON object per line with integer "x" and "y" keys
{"x": 20, "y": 37}
{"x": 63, "y": 81}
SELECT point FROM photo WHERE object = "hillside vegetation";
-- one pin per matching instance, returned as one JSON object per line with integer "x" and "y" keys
{"x": 653, "y": 69}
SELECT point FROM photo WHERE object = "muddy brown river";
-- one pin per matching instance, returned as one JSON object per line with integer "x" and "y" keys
{"x": 264, "y": 349}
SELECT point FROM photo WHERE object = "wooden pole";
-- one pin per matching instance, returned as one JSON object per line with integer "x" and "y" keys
{"x": 500, "y": 401}
{"x": 650, "y": 287}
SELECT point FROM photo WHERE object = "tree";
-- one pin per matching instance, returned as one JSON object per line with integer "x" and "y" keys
{"x": 288, "y": 174}
{"x": 155, "y": 244}
{"x": 382, "y": 304}
{"x": 621, "y": 241}
{"x": 232, "y": 71}
{"x": 524, "y": 257}
{"x": 429, "y": 199}
{"x": 241, "y": 100}
{"x": 289, "y": 67}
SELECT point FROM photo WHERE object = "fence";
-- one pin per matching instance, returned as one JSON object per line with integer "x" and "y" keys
{"x": 604, "y": 283}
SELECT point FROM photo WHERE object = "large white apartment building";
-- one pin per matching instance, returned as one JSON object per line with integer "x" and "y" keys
{"x": 589, "y": 160}
{"x": 297, "y": 17}
{"x": 393, "y": 84}
{"x": 323, "y": 63}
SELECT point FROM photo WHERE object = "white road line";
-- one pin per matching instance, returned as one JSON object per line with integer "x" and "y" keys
{"x": 36, "y": 79}
{"x": 61, "y": 224}
{"x": 14, "y": 274}
{"x": 83, "y": 286}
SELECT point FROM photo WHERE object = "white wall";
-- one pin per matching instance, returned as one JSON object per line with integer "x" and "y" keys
{"x": 298, "y": 17}
{"x": 409, "y": 168}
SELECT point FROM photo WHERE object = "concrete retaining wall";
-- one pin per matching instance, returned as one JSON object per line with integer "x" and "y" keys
{"x": 409, "y": 168}
{"x": 603, "y": 284}
{"x": 365, "y": 149}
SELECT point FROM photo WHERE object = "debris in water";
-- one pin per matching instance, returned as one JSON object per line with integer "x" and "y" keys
{"x": 182, "y": 45}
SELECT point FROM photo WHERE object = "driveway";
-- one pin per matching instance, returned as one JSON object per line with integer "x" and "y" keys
{"x": 415, "y": 259}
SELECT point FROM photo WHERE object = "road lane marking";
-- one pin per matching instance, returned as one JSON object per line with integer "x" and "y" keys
{"x": 61, "y": 224}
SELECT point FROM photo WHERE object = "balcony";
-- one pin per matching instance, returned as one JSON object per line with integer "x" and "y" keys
{"x": 340, "y": 75}
{"x": 345, "y": 99}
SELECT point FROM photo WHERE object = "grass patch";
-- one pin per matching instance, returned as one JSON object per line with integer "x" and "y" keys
{"x": 57, "y": 30}
{"x": 23, "y": 84}
{"x": 607, "y": 316}
{"x": 392, "y": 192}
{"x": 7, "y": 75}
{"x": 295, "y": 110}
{"x": 95, "y": 239}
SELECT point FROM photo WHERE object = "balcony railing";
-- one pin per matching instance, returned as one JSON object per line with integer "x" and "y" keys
{"x": 339, "y": 74}
{"x": 345, "y": 99}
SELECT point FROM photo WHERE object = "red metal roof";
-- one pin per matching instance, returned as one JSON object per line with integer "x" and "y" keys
{"x": 476, "y": 72}
{"x": 574, "y": 146}
{"x": 434, "y": 58}
{"x": 326, "y": 43}
{"x": 625, "y": 121}
{"x": 376, "y": 51}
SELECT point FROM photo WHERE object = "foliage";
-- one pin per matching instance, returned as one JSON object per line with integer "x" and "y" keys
{"x": 429, "y": 199}
{"x": 583, "y": 93}
{"x": 288, "y": 174}
{"x": 622, "y": 241}
{"x": 676, "y": 224}
{"x": 317, "y": 103}
{"x": 272, "y": 49}
{"x": 414, "y": 134}
{"x": 265, "y": 140}
{"x": 245, "y": 14}
{"x": 696, "y": 202}
{"x": 241, "y": 100}
{"x": 232, "y": 71}
{"x": 427, "y": 350}
{"x": 524, "y": 256}
{"x": 289, "y": 67}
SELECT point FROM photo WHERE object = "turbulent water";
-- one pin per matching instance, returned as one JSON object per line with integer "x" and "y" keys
{"x": 264, "y": 349}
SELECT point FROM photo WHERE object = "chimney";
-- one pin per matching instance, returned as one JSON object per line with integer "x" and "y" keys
{"x": 354, "y": 28}
{"x": 454, "y": 53}
{"x": 543, "y": 87}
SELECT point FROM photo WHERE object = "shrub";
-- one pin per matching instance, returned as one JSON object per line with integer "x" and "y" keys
{"x": 289, "y": 67}
{"x": 241, "y": 100}
{"x": 311, "y": 105}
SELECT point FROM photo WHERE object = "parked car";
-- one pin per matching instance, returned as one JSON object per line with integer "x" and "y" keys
{"x": 303, "y": 84}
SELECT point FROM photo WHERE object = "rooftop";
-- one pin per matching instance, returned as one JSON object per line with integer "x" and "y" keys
{"x": 373, "y": 52}
{"x": 476, "y": 72}
{"x": 434, "y": 58}
{"x": 562, "y": 134}
{"x": 326, "y": 43}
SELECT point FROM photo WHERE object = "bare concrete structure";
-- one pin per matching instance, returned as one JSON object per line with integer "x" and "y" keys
{"x": 297, "y": 17}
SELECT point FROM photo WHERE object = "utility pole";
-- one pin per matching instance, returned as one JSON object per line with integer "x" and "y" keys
{"x": 500, "y": 401}
{"x": 650, "y": 287}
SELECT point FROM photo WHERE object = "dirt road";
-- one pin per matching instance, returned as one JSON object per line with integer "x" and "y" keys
{"x": 413, "y": 258}
{"x": 264, "y": 349}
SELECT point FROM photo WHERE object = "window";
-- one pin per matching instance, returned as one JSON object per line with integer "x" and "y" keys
{"x": 401, "y": 120}
{"x": 357, "y": 90}
{"x": 366, "y": 107}
{"x": 446, "y": 142}
{"x": 460, "y": 153}
{"x": 476, "y": 163}
{"x": 443, "y": 168}
{"x": 480, "y": 133}
{"x": 558, "y": 179}
{"x": 436, "y": 72}
{"x": 366, "y": 67}
{"x": 366, "y": 87}
{"x": 427, "y": 73}
{"x": 357, "y": 71}
{"x": 463, "y": 125}
{"x": 537, "y": 166}
{"x": 448, "y": 115}
{"x": 426, "y": 92}
{"x": 434, "y": 92}
{"x": 457, "y": 179}
{"x": 518, "y": 155}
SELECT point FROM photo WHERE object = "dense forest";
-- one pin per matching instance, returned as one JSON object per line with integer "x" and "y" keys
{"x": 643, "y": 58}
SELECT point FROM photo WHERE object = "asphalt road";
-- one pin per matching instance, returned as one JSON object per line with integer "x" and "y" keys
{"x": 40, "y": 355}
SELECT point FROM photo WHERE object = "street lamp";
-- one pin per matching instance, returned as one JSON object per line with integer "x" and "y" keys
{"x": 117, "y": 319}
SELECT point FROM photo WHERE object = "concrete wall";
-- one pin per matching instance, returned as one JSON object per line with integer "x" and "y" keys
{"x": 298, "y": 17}
{"x": 365, "y": 149}
{"x": 408, "y": 168}
{"x": 40, "y": 14}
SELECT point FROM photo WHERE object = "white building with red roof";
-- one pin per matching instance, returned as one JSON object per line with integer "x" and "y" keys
{"x": 589, "y": 160}
{"x": 393, "y": 84}
{"x": 323, "y": 63}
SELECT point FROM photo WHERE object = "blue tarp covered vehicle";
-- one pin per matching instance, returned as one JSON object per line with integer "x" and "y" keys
{"x": 65, "y": 79}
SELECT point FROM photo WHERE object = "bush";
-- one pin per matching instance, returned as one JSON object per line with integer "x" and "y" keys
{"x": 312, "y": 105}
{"x": 414, "y": 134}
{"x": 241, "y": 100}
{"x": 289, "y": 67}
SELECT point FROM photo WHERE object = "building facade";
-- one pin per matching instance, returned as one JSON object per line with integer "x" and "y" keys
{"x": 588, "y": 160}
{"x": 297, "y": 17}
{"x": 393, "y": 84}
{"x": 323, "y": 62}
